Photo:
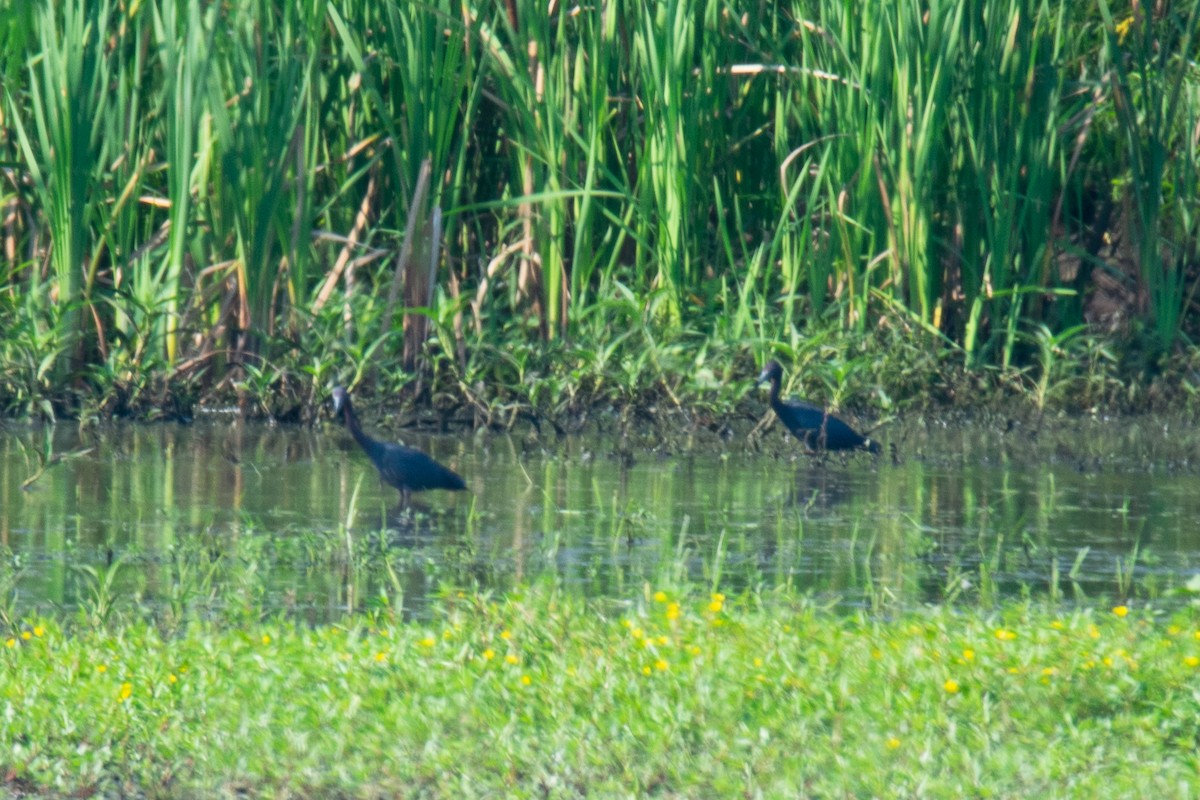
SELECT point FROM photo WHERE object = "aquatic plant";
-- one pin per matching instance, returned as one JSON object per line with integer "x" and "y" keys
{"x": 230, "y": 180}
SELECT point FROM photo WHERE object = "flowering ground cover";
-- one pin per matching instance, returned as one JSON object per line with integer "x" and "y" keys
{"x": 671, "y": 693}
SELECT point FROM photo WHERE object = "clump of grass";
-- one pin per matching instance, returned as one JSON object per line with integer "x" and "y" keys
{"x": 668, "y": 691}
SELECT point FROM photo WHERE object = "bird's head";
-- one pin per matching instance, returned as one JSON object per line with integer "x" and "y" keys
{"x": 771, "y": 372}
{"x": 340, "y": 399}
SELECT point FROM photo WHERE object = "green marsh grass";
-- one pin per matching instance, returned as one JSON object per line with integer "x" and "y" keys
{"x": 224, "y": 177}
{"x": 1151, "y": 75}
{"x": 67, "y": 96}
{"x": 660, "y": 691}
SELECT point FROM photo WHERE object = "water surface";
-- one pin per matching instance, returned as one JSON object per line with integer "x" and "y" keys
{"x": 222, "y": 515}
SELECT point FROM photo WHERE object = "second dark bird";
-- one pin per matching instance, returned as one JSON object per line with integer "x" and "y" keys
{"x": 406, "y": 468}
{"x": 814, "y": 426}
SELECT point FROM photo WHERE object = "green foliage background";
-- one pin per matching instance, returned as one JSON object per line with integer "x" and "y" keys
{"x": 204, "y": 196}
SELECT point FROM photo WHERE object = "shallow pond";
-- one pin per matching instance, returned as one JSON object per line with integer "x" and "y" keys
{"x": 222, "y": 516}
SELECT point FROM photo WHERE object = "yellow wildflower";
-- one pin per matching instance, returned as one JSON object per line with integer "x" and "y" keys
{"x": 526, "y": 680}
{"x": 1120, "y": 611}
{"x": 951, "y": 686}
{"x": 266, "y": 639}
{"x": 660, "y": 596}
{"x": 126, "y": 691}
{"x": 506, "y": 635}
{"x": 673, "y": 611}
{"x": 1005, "y": 635}
{"x": 661, "y": 665}
{"x": 10, "y": 642}
{"x": 1192, "y": 661}
{"x": 26, "y": 635}
{"x": 428, "y": 641}
{"x": 512, "y": 659}
{"x": 1122, "y": 29}
{"x": 892, "y": 743}
{"x": 968, "y": 654}
{"x": 38, "y": 630}
{"x": 489, "y": 654}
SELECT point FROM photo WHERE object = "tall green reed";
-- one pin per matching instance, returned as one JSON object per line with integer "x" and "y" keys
{"x": 529, "y": 51}
{"x": 1152, "y": 76}
{"x": 429, "y": 69}
{"x": 937, "y": 132}
{"x": 1008, "y": 163}
{"x": 600, "y": 211}
{"x": 184, "y": 41}
{"x": 664, "y": 45}
{"x": 721, "y": 171}
{"x": 63, "y": 150}
{"x": 259, "y": 187}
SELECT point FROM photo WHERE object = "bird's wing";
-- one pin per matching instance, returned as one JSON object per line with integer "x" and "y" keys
{"x": 397, "y": 463}
{"x": 801, "y": 415}
{"x": 408, "y": 466}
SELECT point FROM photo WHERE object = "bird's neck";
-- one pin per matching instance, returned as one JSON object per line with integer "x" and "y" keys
{"x": 364, "y": 441}
{"x": 774, "y": 392}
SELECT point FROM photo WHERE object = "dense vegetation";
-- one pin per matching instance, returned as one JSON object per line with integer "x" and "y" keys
{"x": 508, "y": 206}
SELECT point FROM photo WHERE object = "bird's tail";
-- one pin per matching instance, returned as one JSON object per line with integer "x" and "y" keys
{"x": 873, "y": 447}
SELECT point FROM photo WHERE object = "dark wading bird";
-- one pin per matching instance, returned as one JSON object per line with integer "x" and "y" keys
{"x": 814, "y": 426}
{"x": 406, "y": 468}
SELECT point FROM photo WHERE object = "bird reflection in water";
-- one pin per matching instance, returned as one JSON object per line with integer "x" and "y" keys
{"x": 818, "y": 491}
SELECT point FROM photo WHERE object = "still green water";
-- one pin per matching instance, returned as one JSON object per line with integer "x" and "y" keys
{"x": 222, "y": 515}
